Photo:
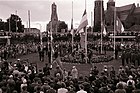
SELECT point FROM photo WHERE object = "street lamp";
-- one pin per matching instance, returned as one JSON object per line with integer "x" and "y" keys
{"x": 40, "y": 33}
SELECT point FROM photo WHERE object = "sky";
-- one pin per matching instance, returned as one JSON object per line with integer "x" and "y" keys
{"x": 40, "y": 10}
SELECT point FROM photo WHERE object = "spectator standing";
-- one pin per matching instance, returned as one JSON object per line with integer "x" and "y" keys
{"x": 81, "y": 87}
{"x": 74, "y": 72}
{"x": 62, "y": 89}
{"x": 46, "y": 70}
{"x": 120, "y": 89}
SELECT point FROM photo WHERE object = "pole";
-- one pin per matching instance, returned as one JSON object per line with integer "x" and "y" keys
{"x": 40, "y": 33}
{"x": 29, "y": 19}
{"x": 91, "y": 22}
{"x": 8, "y": 39}
{"x": 72, "y": 27}
{"x": 16, "y": 20}
{"x": 114, "y": 29}
{"x": 85, "y": 37}
{"x": 51, "y": 44}
{"x": 9, "y": 25}
{"x": 101, "y": 29}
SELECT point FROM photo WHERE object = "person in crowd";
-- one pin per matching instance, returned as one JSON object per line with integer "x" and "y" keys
{"x": 81, "y": 87}
{"x": 46, "y": 70}
{"x": 62, "y": 88}
{"x": 41, "y": 52}
{"x": 112, "y": 73}
{"x": 74, "y": 72}
{"x": 120, "y": 88}
{"x": 131, "y": 81}
{"x": 123, "y": 58}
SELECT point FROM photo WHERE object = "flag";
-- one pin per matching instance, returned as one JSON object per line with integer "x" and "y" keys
{"x": 83, "y": 23}
{"x": 119, "y": 26}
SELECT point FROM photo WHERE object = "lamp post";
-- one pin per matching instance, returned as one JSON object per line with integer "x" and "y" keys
{"x": 40, "y": 33}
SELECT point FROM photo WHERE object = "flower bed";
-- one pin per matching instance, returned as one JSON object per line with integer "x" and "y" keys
{"x": 78, "y": 59}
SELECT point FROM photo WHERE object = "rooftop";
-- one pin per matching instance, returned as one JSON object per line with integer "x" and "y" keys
{"x": 111, "y": 1}
{"x": 125, "y": 8}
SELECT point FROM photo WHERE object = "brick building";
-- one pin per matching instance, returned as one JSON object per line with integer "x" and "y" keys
{"x": 129, "y": 15}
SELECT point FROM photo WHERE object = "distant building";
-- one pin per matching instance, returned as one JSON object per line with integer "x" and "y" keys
{"x": 55, "y": 25}
{"x": 129, "y": 15}
{"x": 98, "y": 12}
{"x": 33, "y": 31}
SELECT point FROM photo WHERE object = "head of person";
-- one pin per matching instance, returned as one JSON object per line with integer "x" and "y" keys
{"x": 120, "y": 86}
{"x": 81, "y": 87}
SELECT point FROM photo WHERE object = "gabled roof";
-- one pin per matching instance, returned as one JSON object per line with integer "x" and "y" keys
{"x": 125, "y": 8}
{"x": 137, "y": 10}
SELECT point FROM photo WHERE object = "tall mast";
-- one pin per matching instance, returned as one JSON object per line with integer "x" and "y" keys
{"x": 9, "y": 24}
{"x": 16, "y": 20}
{"x": 101, "y": 29}
{"x": 72, "y": 27}
{"x": 85, "y": 37}
{"x": 51, "y": 44}
{"x": 29, "y": 19}
{"x": 91, "y": 22}
{"x": 114, "y": 29}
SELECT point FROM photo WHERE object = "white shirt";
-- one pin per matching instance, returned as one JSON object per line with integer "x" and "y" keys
{"x": 62, "y": 90}
{"x": 74, "y": 73}
{"x": 132, "y": 81}
{"x": 81, "y": 91}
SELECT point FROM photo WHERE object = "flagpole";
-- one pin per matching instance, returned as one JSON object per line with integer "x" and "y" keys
{"x": 51, "y": 43}
{"x": 29, "y": 19}
{"x": 9, "y": 25}
{"x": 114, "y": 28}
{"x": 16, "y": 20}
{"x": 72, "y": 27}
{"x": 101, "y": 30}
{"x": 85, "y": 37}
{"x": 91, "y": 22}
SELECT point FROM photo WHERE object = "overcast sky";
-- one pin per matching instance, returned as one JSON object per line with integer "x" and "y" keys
{"x": 41, "y": 10}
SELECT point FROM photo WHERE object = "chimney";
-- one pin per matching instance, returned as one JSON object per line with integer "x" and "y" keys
{"x": 137, "y": 4}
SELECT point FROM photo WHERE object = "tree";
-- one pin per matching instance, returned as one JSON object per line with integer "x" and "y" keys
{"x": 15, "y": 24}
{"x": 1, "y": 25}
{"x": 62, "y": 25}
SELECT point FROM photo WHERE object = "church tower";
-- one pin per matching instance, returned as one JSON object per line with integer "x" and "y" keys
{"x": 110, "y": 3}
{"x": 54, "y": 18}
{"x": 54, "y": 13}
{"x": 98, "y": 15}
{"x": 109, "y": 16}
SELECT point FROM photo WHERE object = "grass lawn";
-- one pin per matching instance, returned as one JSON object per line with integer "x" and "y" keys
{"x": 83, "y": 69}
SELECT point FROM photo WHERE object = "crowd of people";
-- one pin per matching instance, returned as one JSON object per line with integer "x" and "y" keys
{"x": 131, "y": 55}
{"x": 14, "y": 50}
{"x": 22, "y": 78}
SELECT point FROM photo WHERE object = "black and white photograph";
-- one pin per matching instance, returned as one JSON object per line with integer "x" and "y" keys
{"x": 69, "y": 46}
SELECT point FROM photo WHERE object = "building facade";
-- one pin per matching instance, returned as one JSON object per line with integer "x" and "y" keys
{"x": 129, "y": 16}
{"x": 98, "y": 14}
{"x": 32, "y": 31}
{"x": 54, "y": 23}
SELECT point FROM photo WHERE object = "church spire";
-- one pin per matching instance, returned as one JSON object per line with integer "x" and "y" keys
{"x": 54, "y": 12}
